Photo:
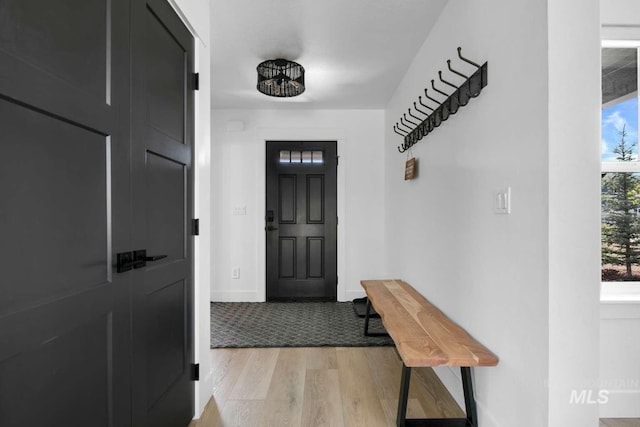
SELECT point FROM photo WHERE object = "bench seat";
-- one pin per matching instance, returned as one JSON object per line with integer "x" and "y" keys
{"x": 425, "y": 337}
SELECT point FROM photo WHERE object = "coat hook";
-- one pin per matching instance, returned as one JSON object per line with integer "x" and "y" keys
{"x": 465, "y": 59}
{"x": 402, "y": 130}
{"x": 446, "y": 82}
{"x": 401, "y": 150}
{"x": 454, "y": 71}
{"x": 415, "y": 117}
{"x": 419, "y": 110}
{"x": 439, "y": 91}
{"x": 395, "y": 129}
{"x": 423, "y": 104}
{"x": 434, "y": 100}
{"x": 408, "y": 121}
{"x": 405, "y": 125}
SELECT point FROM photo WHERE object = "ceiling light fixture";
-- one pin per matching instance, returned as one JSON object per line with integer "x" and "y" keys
{"x": 280, "y": 78}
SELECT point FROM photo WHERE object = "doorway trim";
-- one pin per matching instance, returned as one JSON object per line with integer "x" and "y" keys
{"x": 297, "y": 135}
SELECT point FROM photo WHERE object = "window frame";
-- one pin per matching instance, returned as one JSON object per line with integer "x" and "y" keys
{"x": 627, "y": 291}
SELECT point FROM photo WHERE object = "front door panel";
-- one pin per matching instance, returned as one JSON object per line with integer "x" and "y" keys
{"x": 301, "y": 221}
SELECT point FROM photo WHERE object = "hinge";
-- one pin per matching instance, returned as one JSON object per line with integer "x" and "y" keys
{"x": 337, "y": 221}
{"x": 195, "y": 372}
{"x": 195, "y": 227}
{"x": 196, "y": 81}
{"x": 337, "y": 160}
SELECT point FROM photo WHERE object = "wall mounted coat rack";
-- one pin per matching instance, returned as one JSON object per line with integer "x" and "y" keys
{"x": 433, "y": 113}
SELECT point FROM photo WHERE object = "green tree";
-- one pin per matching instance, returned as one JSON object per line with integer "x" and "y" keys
{"x": 620, "y": 205}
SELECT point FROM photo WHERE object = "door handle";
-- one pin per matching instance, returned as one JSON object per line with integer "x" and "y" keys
{"x": 140, "y": 258}
{"x": 270, "y": 228}
{"x": 126, "y": 261}
{"x": 154, "y": 257}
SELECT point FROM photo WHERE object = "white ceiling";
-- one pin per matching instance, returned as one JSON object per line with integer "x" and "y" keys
{"x": 355, "y": 52}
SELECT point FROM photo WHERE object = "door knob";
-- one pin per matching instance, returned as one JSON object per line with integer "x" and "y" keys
{"x": 270, "y": 228}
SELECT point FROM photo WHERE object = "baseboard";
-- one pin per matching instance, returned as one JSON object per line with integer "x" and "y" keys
{"x": 247, "y": 296}
{"x": 240, "y": 296}
{"x": 620, "y": 404}
{"x": 203, "y": 393}
{"x": 452, "y": 380}
{"x": 351, "y": 295}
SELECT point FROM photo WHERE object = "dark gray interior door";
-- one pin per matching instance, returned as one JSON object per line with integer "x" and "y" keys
{"x": 162, "y": 199}
{"x": 301, "y": 220}
{"x": 64, "y": 326}
{"x": 96, "y": 130}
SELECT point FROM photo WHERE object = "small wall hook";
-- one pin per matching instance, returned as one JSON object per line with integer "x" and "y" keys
{"x": 446, "y": 82}
{"x": 423, "y": 104}
{"x": 405, "y": 125}
{"x": 419, "y": 110}
{"x": 434, "y": 100}
{"x": 415, "y": 117}
{"x": 436, "y": 89}
{"x": 454, "y": 71}
{"x": 396, "y": 130}
{"x": 408, "y": 121}
{"x": 465, "y": 59}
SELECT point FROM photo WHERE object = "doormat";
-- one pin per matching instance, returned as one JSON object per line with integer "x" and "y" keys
{"x": 290, "y": 324}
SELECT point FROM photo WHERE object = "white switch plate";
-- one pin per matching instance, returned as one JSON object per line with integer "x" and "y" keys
{"x": 503, "y": 201}
{"x": 235, "y": 273}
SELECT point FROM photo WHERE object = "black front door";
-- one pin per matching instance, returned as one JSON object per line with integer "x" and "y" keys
{"x": 64, "y": 210}
{"x": 301, "y": 220}
{"x": 162, "y": 88}
{"x": 96, "y": 130}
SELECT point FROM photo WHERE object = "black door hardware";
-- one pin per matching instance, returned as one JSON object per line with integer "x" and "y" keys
{"x": 126, "y": 261}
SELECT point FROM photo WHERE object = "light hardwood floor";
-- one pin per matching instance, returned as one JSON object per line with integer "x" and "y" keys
{"x": 323, "y": 386}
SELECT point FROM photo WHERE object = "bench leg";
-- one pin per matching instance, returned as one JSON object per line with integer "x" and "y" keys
{"x": 469, "y": 399}
{"x": 471, "y": 419}
{"x": 366, "y": 324}
{"x": 404, "y": 396}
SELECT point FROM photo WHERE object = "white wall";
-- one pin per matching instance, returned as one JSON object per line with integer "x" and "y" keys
{"x": 494, "y": 273}
{"x": 620, "y": 353}
{"x": 574, "y": 208}
{"x": 238, "y": 180}
{"x": 195, "y": 14}
{"x": 620, "y": 314}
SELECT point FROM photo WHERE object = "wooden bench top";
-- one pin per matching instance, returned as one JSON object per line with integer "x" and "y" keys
{"x": 424, "y": 335}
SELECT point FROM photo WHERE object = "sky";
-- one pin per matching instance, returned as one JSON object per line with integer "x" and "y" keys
{"x": 613, "y": 119}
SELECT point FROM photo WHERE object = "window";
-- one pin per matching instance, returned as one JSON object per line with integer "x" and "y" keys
{"x": 287, "y": 156}
{"x": 620, "y": 178}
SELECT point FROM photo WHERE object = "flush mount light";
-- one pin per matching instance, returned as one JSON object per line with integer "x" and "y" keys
{"x": 280, "y": 78}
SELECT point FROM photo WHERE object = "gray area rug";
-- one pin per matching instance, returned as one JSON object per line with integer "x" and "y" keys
{"x": 290, "y": 324}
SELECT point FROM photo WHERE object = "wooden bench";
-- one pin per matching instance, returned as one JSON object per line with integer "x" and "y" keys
{"x": 425, "y": 337}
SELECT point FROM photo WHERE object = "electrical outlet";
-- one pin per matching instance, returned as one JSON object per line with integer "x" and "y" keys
{"x": 239, "y": 211}
{"x": 503, "y": 201}
{"x": 235, "y": 273}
